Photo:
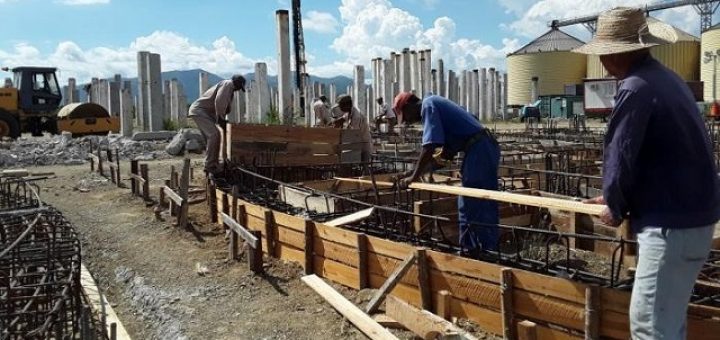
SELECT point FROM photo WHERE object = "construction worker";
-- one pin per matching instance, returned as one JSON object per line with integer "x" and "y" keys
{"x": 322, "y": 111}
{"x": 658, "y": 172}
{"x": 208, "y": 112}
{"x": 345, "y": 116}
{"x": 449, "y": 129}
{"x": 387, "y": 115}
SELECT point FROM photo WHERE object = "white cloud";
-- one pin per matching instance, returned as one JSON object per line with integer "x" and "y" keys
{"x": 83, "y": 2}
{"x": 374, "y": 28}
{"x": 177, "y": 53}
{"x": 320, "y": 22}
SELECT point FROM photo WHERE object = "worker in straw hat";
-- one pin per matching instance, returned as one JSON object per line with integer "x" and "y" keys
{"x": 658, "y": 171}
{"x": 447, "y": 130}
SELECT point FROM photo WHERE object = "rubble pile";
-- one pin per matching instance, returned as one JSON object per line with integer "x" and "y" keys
{"x": 65, "y": 150}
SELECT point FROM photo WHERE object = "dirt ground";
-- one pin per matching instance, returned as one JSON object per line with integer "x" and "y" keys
{"x": 149, "y": 269}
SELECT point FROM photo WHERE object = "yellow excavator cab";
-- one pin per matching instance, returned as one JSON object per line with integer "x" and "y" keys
{"x": 86, "y": 119}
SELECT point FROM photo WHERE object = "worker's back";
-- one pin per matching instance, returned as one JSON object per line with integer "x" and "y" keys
{"x": 447, "y": 123}
{"x": 206, "y": 102}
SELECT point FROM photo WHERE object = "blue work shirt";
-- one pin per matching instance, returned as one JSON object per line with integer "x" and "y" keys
{"x": 446, "y": 123}
{"x": 658, "y": 163}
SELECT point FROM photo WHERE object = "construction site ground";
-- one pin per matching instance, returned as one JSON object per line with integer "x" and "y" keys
{"x": 150, "y": 269}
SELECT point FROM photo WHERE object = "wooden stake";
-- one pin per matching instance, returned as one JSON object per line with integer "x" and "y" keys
{"x": 146, "y": 185}
{"x": 592, "y": 315}
{"x": 184, "y": 187}
{"x": 361, "y": 320}
{"x": 506, "y": 286}
{"x": 362, "y": 250}
{"x": 134, "y": 171}
{"x": 117, "y": 169}
{"x": 240, "y": 218}
{"x": 100, "y": 162}
{"x": 526, "y": 330}
{"x": 424, "y": 279}
{"x": 212, "y": 200}
{"x": 390, "y": 283}
{"x": 309, "y": 241}
{"x": 444, "y": 304}
{"x": 269, "y": 238}
{"x": 255, "y": 254}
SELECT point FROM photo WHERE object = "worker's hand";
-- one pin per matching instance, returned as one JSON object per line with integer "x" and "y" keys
{"x": 607, "y": 217}
{"x": 595, "y": 200}
{"x": 404, "y": 183}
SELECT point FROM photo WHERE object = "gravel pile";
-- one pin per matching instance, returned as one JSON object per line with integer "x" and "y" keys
{"x": 65, "y": 150}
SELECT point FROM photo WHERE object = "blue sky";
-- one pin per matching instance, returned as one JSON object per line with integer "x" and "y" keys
{"x": 87, "y": 38}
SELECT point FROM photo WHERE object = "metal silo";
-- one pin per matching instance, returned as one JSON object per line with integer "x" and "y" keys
{"x": 682, "y": 56}
{"x": 549, "y": 60}
{"x": 710, "y": 44}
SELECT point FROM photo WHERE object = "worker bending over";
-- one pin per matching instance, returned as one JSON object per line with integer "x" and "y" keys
{"x": 208, "y": 112}
{"x": 346, "y": 116}
{"x": 452, "y": 129}
{"x": 658, "y": 172}
{"x": 322, "y": 111}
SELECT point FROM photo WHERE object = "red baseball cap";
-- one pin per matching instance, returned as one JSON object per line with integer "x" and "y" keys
{"x": 400, "y": 101}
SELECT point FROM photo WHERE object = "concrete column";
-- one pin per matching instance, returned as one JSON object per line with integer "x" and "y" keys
{"x": 397, "y": 63}
{"x": 434, "y": 82}
{"x": 284, "y": 75}
{"x": 422, "y": 76}
{"x": 72, "y": 92}
{"x": 483, "y": 94}
{"x": 405, "y": 69}
{"x": 504, "y": 101}
{"x": 239, "y": 107}
{"x": 474, "y": 93}
{"x": 359, "y": 97}
{"x": 203, "y": 83}
{"x": 415, "y": 73}
{"x": 262, "y": 92}
{"x": 370, "y": 103}
{"x": 142, "y": 108}
{"x": 155, "y": 99}
{"x": 491, "y": 92}
{"x": 126, "y": 112}
{"x": 168, "y": 99}
{"x": 498, "y": 94}
{"x": 427, "y": 70}
{"x": 251, "y": 103}
{"x": 451, "y": 86}
{"x": 463, "y": 89}
{"x": 113, "y": 96}
{"x": 333, "y": 94}
{"x": 388, "y": 70}
{"x": 442, "y": 89}
{"x": 173, "y": 98}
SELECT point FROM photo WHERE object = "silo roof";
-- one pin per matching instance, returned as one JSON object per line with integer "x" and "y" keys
{"x": 554, "y": 40}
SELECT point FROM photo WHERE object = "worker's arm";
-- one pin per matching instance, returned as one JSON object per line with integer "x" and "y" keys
{"x": 223, "y": 98}
{"x": 422, "y": 166}
{"x": 626, "y": 134}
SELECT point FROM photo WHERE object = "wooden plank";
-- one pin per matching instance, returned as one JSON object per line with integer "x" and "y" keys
{"x": 283, "y": 134}
{"x": 289, "y": 237}
{"x": 184, "y": 187}
{"x": 269, "y": 231}
{"x": 361, "y": 320}
{"x": 389, "y": 248}
{"x": 288, "y": 221}
{"x": 336, "y": 235}
{"x": 506, "y": 305}
{"x": 421, "y": 322}
{"x": 172, "y": 195}
{"x": 387, "y": 321}
{"x": 336, "y": 252}
{"x": 351, "y": 218}
{"x": 336, "y": 272}
{"x": 390, "y": 283}
{"x": 100, "y": 305}
{"x": 536, "y": 201}
{"x": 247, "y": 235}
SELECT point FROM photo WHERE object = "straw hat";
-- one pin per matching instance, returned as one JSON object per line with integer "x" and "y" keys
{"x": 624, "y": 29}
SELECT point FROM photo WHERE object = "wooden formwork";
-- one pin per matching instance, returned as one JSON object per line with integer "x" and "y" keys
{"x": 557, "y": 308}
{"x": 281, "y": 145}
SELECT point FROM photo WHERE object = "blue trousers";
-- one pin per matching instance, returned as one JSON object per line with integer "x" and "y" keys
{"x": 479, "y": 170}
{"x": 669, "y": 261}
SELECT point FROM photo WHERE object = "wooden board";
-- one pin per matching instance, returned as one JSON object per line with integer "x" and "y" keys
{"x": 361, "y": 320}
{"x": 351, "y": 218}
{"x": 421, "y": 322}
{"x": 100, "y": 305}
